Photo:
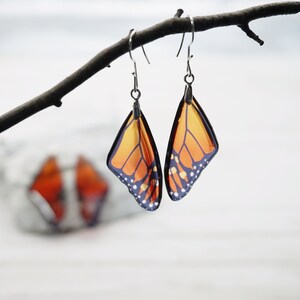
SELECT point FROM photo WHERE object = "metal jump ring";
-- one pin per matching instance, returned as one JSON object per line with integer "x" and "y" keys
{"x": 135, "y": 94}
{"x": 189, "y": 78}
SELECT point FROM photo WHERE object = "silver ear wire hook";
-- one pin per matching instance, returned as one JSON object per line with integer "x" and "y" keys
{"x": 181, "y": 43}
{"x": 189, "y": 56}
{"x": 135, "y": 93}
{"x": 183, "y": 35}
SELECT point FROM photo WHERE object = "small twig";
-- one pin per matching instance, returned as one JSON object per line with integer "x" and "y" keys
{"x": 250, "y": 33}
{"x": 171, "y": 26}
{"x": 178, "y": 13}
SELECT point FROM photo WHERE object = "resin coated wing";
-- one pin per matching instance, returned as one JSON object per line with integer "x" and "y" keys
{"x": 191, "y": 147}
{"x": 46, "y": 192}
{"x": 133, "y": 158}
{"x": 91, "y": 189}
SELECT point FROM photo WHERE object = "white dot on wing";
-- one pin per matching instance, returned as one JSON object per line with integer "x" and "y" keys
{"x": 134, "y": 187}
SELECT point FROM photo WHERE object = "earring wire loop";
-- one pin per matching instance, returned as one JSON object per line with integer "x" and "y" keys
{"x": 189, "y": 56}
{"x": 135, "y": 90}
{"x": 181, "y": 43}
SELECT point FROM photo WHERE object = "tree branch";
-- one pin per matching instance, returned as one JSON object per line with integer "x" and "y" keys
{"x": 174, "y": 25}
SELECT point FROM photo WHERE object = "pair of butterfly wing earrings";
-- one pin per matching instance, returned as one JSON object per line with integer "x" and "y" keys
{"x": 134, "y": 158}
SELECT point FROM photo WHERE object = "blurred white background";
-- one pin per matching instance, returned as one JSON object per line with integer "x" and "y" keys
{"x": 237, "y": 234}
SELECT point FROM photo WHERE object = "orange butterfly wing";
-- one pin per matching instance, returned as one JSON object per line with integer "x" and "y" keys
{"x": 46, "y": 192}
{"x": 191, "y": 147}
{"x": 134, "y": 159}
{"x": 92, "y": 190}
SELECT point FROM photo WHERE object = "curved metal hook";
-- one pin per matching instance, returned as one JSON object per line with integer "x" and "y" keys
{"x": 193, "y": 35}
{"x": 189, "y": 56}
{"x": 193, "y": 30}
{"x": 135, "y": 75}
{"x": 183, "y": 35}
{"x": 135, "y": 78}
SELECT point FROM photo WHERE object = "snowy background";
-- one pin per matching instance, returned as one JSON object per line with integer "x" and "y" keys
{"x": 237, "y": 234}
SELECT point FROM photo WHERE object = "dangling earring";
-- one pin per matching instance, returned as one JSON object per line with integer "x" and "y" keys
{"x": 133, "y": 157}
{"x": 192, "y": 142}
{"x": 46, "y": 192}
{"x": 91, "y": 189}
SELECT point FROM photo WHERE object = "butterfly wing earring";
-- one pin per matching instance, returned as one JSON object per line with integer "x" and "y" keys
{"x": 192, "y": 142}
{"x": 133, "y": 157}
{"x": 46, "y": 192}
{"x": 92, "y": 189}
